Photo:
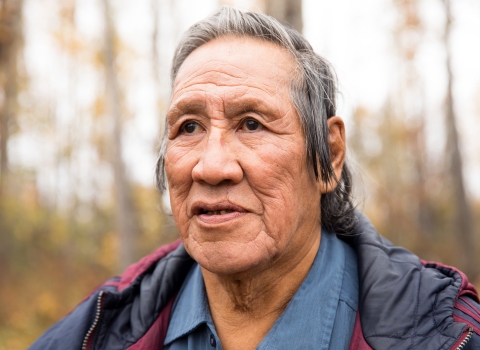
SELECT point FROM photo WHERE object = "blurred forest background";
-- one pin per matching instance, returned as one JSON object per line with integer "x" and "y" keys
{"x": 83, "y": 91}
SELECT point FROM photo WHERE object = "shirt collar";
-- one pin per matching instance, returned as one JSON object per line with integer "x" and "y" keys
{"x": 312, "y": 309}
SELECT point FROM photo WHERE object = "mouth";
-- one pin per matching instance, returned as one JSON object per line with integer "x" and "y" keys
{"x": 201, "y": 208}
{"x": 217, "y": 212}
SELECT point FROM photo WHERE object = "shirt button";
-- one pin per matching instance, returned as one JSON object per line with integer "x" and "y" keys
{"x": 213, "y": 342}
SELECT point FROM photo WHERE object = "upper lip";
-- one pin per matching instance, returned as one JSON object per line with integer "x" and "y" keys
{"x": 200, "y": 207}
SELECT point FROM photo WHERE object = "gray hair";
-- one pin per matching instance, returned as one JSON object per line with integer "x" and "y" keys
{"x": 313, "y": 93}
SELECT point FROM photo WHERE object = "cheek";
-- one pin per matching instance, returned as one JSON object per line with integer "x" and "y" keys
{"x": 178, "y": 168}
{"x": 280, "y": 178}
{"x": 179, "y": 162}
{"x": 277, "y": 172}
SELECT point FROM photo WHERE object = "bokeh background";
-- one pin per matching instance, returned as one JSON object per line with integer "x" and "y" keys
{"x": 84, "y": 86}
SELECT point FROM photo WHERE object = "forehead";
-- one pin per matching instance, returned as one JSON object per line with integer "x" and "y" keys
{"x": 237, "y": 61}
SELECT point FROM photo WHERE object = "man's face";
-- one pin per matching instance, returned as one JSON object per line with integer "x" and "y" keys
{"x": 242, "y": 195}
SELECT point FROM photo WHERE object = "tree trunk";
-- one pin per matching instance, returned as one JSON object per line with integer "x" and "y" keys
{"x": 155, "y": 32}
{"x": 10, "y": 43}
{"x": 463, "y": 213}
{"x": 124, "y": 209}
{"x": 408, "y": 35}
{"x": 288, "y": 12}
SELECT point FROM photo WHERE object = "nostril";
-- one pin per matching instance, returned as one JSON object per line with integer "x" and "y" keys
{"x": 217, "y": 170}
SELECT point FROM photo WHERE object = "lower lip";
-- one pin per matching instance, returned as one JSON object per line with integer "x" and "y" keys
{"x": 219, "y": 219}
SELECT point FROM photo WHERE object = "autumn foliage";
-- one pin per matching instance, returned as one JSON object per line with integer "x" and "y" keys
{"x": 62, "y": 226}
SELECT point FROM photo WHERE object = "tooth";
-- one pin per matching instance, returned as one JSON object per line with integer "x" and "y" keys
{"x": 217, "y": 212}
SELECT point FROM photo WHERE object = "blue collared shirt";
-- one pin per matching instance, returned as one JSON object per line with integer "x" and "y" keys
{"x": 320, "y": 315}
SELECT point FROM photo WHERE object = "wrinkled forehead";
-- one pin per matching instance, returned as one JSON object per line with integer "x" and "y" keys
{"x": 230, "y": 58}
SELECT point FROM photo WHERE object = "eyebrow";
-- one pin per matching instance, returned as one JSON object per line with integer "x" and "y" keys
{"x": 238, "y": 108}
{"x": 185, "y": 107}
{"x": 248, "y": 104}
{"x": 232, "y": 107}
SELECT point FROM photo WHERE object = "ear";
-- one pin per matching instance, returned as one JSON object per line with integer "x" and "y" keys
{"x": 337, "y": 144}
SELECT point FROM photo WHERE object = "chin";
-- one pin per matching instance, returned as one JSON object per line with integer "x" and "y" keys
{"x": 229, "y": 258}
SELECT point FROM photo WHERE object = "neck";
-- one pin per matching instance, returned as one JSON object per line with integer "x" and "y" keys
{"x": 250, "y": 302}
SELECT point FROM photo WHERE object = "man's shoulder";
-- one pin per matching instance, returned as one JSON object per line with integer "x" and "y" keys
{"x": 404, "y": 300}
{"x": 148, "y": 287}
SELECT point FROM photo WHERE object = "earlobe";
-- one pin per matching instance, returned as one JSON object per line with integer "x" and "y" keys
{"x": 337, "y": 144}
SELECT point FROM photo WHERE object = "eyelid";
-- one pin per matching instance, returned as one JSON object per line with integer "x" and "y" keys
{"x": 246, "y": 119}
{"x": 175, "y": 128}
{"x": 190, "y": 121}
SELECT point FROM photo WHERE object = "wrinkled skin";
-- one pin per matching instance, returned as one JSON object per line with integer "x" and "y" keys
{"x": 242, "y": 195}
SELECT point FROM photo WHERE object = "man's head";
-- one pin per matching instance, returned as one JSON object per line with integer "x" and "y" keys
{"x": 305, "y": 87}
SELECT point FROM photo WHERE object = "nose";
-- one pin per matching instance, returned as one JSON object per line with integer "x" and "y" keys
{"x": 218, "y": 162}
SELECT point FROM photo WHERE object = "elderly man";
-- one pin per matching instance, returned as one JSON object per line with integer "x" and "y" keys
{"x": 272, "y": 253}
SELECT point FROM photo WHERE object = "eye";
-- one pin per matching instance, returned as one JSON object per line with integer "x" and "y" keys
{"x": 191, "y": 128}
{"x": 251, "y": 125}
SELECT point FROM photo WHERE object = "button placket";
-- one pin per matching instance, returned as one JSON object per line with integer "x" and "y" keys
{"x": 213, "y": 341}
